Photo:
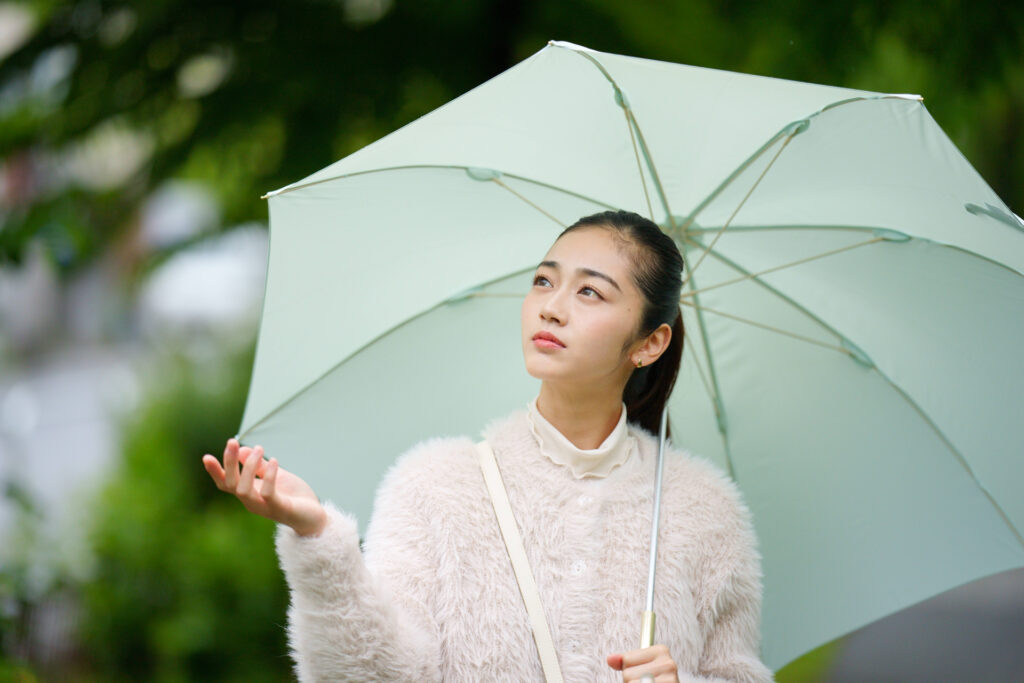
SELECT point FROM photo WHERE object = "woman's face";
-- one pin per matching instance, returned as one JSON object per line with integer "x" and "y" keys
{"x": 582, "y": 311}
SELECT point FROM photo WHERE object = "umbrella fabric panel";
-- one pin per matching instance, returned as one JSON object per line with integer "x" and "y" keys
{"x": 879, "y": 163}
{"x": 702, "y": 124}
{"x": 850, "y": 454}
{"x": 554, "y": 118}
{"x": 411, "y": 237}
{"x": 913, "y": 308}
{"x": 546, "y": 119}
{"x": 342, "y": 439}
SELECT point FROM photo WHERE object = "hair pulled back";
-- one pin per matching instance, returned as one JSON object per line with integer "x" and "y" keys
{"x": 657, "y": 271}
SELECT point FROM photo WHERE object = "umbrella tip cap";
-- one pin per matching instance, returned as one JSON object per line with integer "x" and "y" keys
{"x": 798, "y": 127}
{"x": 890, "y": 235}
{"x": 477, "y": 173}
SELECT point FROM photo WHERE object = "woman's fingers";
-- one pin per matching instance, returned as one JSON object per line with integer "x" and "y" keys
{"x": 267, "y": 490}
{"x": 214, "y": 469}
{"x": 654, "y": 663}
{"x": 246, "y": 482}
{"x": 231, "y": 466}
{"x": 269, "y": 481}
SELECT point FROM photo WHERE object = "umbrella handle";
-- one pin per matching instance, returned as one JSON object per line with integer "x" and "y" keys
{"x": 647, "y": 638}
{"x": 647, "y": 630}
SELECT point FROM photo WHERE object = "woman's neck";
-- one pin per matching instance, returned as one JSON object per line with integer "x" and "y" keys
{"x": 586, "y": 418}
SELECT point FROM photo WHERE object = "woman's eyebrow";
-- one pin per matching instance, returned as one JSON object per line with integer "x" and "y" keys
{"x": 597, "y": 273}
{"x": 584, "y": 271}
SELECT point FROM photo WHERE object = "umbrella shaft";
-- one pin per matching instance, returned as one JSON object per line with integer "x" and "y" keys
{"x": 656, "y": 513}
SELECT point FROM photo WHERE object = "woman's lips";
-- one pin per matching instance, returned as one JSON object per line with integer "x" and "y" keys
{"x": 546, "y": 340}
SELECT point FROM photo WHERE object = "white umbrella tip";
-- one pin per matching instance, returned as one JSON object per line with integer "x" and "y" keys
{"x": 569, "y": 46}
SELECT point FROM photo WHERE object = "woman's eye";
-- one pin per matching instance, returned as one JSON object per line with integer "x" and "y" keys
{"x": 541, "y": 281}
{"x": 590, "y": 292}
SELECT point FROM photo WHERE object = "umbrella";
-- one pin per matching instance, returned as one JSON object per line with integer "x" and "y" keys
{"x": 854, "y": 301}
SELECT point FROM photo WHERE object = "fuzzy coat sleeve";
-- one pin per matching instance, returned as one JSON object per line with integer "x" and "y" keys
{"x": 729, "y": 607}
{"x": 356, "y": 618}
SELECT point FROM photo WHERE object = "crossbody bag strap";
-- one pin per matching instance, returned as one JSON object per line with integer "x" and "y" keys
{"x": 520, "y": 564}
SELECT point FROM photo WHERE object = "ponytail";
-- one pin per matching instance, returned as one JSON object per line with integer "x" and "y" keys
{"x": 649, "y": 388}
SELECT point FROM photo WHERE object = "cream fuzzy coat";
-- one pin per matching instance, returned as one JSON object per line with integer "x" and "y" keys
{"x": 433, "y": 596}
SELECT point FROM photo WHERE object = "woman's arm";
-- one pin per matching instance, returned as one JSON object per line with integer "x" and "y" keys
{"x": 346, "y": 622}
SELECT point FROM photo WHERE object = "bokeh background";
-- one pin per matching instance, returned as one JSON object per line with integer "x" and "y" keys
{"x": 136, "y": 139}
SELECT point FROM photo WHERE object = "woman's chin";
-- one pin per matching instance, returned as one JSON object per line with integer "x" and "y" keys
{"x": 543, "y": 368}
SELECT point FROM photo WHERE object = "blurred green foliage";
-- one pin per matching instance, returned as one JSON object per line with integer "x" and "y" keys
{"x": 813, "y": 667}
{"x": 186, "y": 584}
{"x": 16, "y": 673}
{"x": 250, "y": 96}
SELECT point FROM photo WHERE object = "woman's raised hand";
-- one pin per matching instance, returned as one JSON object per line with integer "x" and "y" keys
{"x": 266, "y": 489}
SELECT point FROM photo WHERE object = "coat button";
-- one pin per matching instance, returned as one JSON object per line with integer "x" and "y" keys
{"x": 578, "y": 567}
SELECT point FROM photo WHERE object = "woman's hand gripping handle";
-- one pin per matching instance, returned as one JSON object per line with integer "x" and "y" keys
{"x": 646, "y": 664}
{"x": 266, "y": 489}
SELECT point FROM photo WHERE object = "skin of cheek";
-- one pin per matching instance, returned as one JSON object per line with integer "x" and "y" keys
{"x": 598, "y": 343}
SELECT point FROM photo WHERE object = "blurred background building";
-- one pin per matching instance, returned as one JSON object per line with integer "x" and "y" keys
{"x": 136, "y": 139}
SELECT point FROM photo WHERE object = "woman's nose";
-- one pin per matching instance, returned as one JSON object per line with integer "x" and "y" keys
{"x": 553, "y": 308}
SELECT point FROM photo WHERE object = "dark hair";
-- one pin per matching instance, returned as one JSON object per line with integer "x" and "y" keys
{"x": 658, "y": 274}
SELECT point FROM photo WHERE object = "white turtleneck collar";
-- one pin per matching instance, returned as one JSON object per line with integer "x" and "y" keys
{"x": 597, "y": 462}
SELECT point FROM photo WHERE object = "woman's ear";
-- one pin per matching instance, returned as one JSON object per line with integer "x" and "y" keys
{"x": 652, "y": 346}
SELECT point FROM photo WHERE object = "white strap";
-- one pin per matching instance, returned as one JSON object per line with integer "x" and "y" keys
{"x": 520, "y": 564}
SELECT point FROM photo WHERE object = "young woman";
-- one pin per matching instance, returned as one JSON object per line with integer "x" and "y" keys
{"x": 432, "y": 595}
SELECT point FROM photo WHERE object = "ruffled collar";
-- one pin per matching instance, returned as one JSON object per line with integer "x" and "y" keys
{"x": 597, "y": 462}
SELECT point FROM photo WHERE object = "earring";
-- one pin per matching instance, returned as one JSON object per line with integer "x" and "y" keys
{"x": 639, "y": 363}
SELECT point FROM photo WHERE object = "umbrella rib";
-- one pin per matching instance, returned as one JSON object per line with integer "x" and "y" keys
{"x": 650, "y": 163}
{"x": 639, "y": 166}
{"x": 754, "y": 278}
{"x": 956, "y": 453}
{"x": 411, "y": 167}
{"x": 765, "y": 326}
{"x": 694, "y": 292}
{"x": 790, "y": 129}
{"x": 502, "y": 184}
{"x": 739, "y": 206}
{"x": 717, "y": 392}
{"x": 934, "y": 427}
{"x": 759, "y": 228}
{"x": 703, "y": 377}
{"x": 845, "y": 228}
{"x": 623, "y": 101}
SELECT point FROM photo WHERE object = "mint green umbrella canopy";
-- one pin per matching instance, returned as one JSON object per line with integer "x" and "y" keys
{"x": 854, "y": 309}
